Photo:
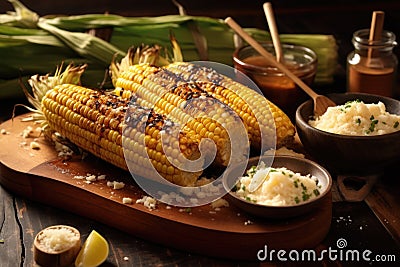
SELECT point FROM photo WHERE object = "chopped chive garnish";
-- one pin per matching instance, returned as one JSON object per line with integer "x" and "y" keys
{"x": 316, "y": 192}
{"x": 306, "y": 196}
{"x": 303, "y": 186}
{"x": 396, "y": 124}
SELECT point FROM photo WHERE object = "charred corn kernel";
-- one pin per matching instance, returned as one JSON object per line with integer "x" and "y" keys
{"x": 184, "y": 103}
{"x": 259, "y": 115}
{"x": 109, "y": 127}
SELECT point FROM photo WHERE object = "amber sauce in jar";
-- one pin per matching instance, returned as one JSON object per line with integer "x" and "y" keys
{"x": 372, "y": 66}
{"x": 275, "y": 85}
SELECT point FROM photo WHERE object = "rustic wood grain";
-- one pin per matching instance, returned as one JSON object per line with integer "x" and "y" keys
{"x": 384, "y": 200}
{"x": 41, "y": 176}
{"x": 35, "y": 216}
{"x": 10, "y": 232}
{"x": 353, "y": 221}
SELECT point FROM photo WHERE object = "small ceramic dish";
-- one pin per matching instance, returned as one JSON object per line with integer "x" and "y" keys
{"x": 295, "y": 164}
{"x": 349, "y": 154}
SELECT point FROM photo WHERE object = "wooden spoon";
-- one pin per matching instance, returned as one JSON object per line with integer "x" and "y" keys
{"x": 321, "y": 103}
{"x": 375, "y": 34}
{"x": 273, "y": 29}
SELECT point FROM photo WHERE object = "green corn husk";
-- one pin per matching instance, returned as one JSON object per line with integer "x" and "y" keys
{"x": 32, "y": 45}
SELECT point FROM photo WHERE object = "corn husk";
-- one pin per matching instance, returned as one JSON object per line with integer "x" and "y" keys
{"x": 30, "y": 44}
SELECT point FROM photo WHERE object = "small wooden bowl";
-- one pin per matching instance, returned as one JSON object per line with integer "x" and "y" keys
{"x": 349, "y": 155}
{"x": 56, "y": 258}
{"x": 296, "y": 164}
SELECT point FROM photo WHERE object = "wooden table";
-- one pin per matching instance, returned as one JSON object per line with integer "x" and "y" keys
{"x": 372, "y": 224}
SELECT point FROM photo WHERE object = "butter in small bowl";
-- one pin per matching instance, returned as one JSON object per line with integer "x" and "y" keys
{"x": 292, "y": 186}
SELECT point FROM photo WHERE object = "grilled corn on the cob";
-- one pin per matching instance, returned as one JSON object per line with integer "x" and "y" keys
{"x": 256, "y": 111}
{"x": 263, "y": 120}
{"x": 188, "y": 104}
{"x": 122, "y": 133}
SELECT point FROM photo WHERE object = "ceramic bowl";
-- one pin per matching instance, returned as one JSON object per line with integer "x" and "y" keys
{"x": 295, "y": 164}
{"x": 349, "y": 155}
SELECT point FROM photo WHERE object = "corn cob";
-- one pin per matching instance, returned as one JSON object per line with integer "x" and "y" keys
{"x": 260, "y": 115}
{"x": 206, "y": 118}
{"x": 95, "y": 122}
{"x": 261, "y": 118}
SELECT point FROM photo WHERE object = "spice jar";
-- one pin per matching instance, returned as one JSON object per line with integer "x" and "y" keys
{"x": 273, "y": 83}
{"x": 372, "y": 66}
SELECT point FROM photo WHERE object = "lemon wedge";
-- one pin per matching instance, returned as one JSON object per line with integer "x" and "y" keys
{"x": 93, "y": 252}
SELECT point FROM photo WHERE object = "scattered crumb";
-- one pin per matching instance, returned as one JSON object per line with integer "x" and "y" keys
{"x": 148, "y": 202}
{"x": 346, "y": 220}
{"x": 248, "y": 222}
{"x": 91, "y": 178}
{"x": 115, "y": 185}
{"x": 63, "y": 150}
{"x": 127, "y": 200}
{"x": 126, "y": 259}
{"x": 101, "y": 177}
{"x": 4, "y": 131}
{"x": 168, "y": 207}
{"x": 26, "y": 132}
{"x": 219, "y": 203}
{"x": 34, "y": 145}
{"x": 38, "y": 129}
{"x": 22, "y": 144}
{"x": 187, "y": 210}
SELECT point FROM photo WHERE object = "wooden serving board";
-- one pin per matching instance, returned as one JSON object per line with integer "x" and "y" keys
{"x": 42, "y": 176}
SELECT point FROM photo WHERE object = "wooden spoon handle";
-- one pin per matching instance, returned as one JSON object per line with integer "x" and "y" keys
{"x": 231, "y": 23}
{"x": 376, "y": 26}
{"x": 375, "y": 33}
{"x": 273, "y": 29}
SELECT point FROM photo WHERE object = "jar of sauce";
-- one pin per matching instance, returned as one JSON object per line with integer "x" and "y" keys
{"x": 372, "y": 66}
{"x": 275, "y": 85}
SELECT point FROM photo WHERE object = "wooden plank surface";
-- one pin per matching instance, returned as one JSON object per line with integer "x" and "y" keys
{"x": 354, "y": 222}
{"x": 41, "y": 176}
{"x": 384, "y": 200}
{"x": 9, "y": 230}
{"x": 361, "y": 226}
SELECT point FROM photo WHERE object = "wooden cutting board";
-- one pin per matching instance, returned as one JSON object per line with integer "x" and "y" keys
{"x": 229, "y": 233}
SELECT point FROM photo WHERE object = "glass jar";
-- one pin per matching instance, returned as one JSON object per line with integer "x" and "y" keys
{"x": 275, "y": 85}
{"x": 372, "y": 66}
